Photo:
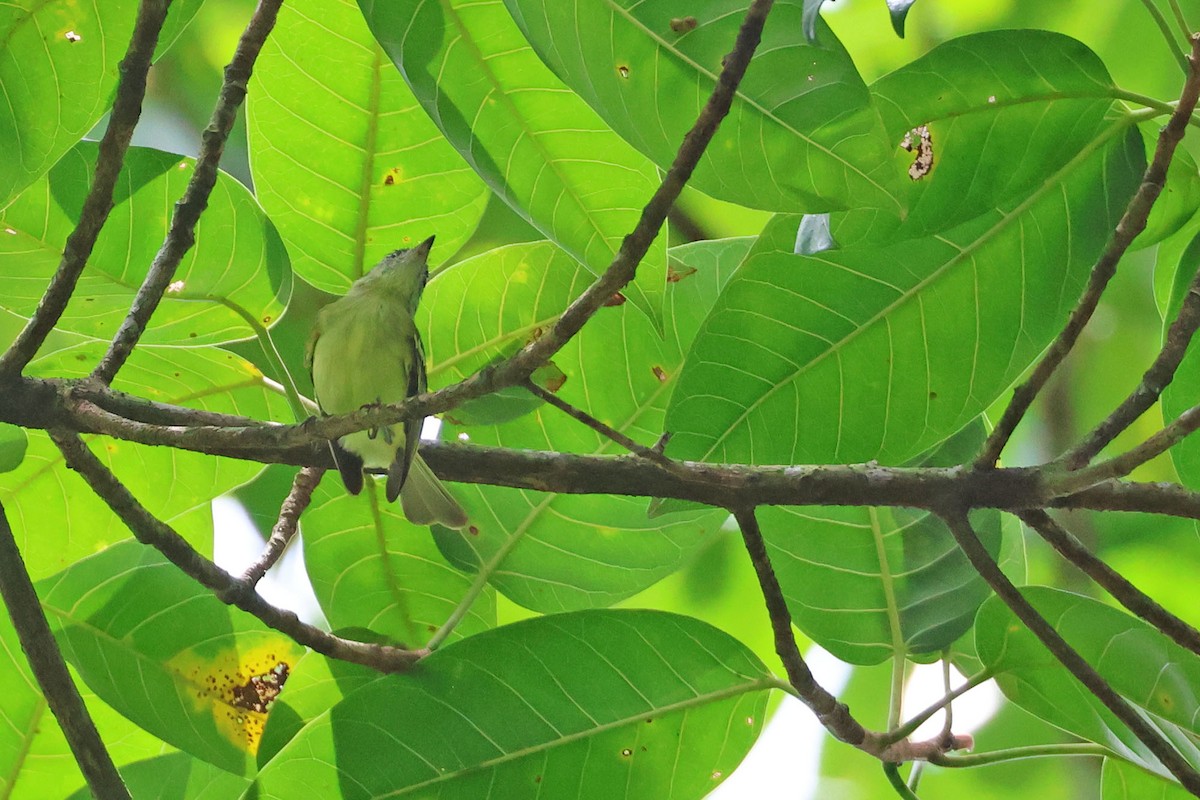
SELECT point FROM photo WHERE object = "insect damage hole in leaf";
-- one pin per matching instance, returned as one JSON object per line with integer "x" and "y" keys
{"x": 920, "y": 142}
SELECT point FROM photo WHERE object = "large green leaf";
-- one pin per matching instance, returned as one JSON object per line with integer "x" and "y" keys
{"x": 802, "y": 134}
{"x": 1003, "y": 110}
{"x": 536, "y": 144}
{"x": 579, "y": 704}
{"x": 344, "y": 159}
{"x": 58, "y": 519}
{"x": 176, "y": 776}
{"x": 238, "y": 268}
{"x": 869, "y": 584}
{"x": 1120, "y": 780}
{"x": 166, "y": 653}
{"x": 371, "y": 568}
{"x": 58, "y": 70}
{"x": 880, "y": 352}
{"x": 1153, "y": 673}
{"x": 554, "y": 552}
{"x": 35, "y": 759}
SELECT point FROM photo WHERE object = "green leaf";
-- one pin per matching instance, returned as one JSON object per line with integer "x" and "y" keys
{"x": 1151, "y": 672}
{"x": 802, "y": 134}
{"x": 554, "y": 552}
{"x": 57, "y": 518}
{"x": 1005, "y": 112}
{"x": 1184, "y": 390}
{"x": 176, "y": 776}
{"x": 344, "y": 160}
{"x": 315, "y": 685}
{"x": 831, "y": 358}
{"x": 13, "y": 443}
{"x": 1120, "y": 780}
{"x": 869, "y": 584}
{"x": 1179, "y": 200}
{"x": 58, "y": 70}
{"x": 577, "y": 704}
{"x": 237, "y": 269}
{"x": 35, "y": 759}
{"x": 166, "y": 653}
{"x": 371, "y": 568}
{"x": 536, "y": 144}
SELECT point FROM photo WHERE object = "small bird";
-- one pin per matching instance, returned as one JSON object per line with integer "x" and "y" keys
{"x": 365, "y": 350}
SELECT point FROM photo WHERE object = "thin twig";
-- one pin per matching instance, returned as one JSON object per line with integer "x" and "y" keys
{"x": 1120, "y": 466}
{"x": 986, "y": 566}
{"x": 1133, "y": 222}
{"x": 46, "y": 662}
{"x": 1021, "y": 753}
{"x": 1180, "y": 20}
{"x": 298, "y": 498}
{"x": 607, "y": 431}
{"x": 151, "y": 531}
{"x": 182, "y": 232}
{"x": 833, "y": 715}
{"x": 1154, "y": 381}
{"x": 127, "y": 109}
{"x": 1164, "y": 27}
{"x": 918, "y": 719}
{"x": 1128, "y": 595}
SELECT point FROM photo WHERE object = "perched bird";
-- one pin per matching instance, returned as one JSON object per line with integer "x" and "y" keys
{"x": 365, "y": 350}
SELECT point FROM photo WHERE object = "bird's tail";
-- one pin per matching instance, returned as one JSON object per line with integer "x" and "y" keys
{"x": 426, "y": 500}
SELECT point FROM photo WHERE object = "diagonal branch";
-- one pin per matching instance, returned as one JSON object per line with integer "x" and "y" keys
{"x": 149, "y": 530}
{"x": 182, "y": 233}
{"x": 1132, "y": 222}
{"x": 1154, "y": 381}
{"x": 833, "y": 715}
{"x": 1128, "y": 595}
{"x": 298, "y": 498}
{"x": 986, "y": 566}
{"x": 127, "y": 109}
{"x": 46, "y": 661}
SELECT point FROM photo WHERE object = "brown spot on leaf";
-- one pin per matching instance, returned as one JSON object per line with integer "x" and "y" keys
{"x": 623, "y": 70}
{"x": 684, "y": 24}
{"x": 660, "y": 373}
{"x": 676, "y": 275}
{"x": 473, "y": 530}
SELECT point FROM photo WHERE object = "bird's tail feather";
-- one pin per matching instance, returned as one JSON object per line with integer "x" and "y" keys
{"x": 426, "y": 500}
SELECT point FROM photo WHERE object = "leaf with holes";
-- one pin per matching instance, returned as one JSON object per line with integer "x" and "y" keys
{"x": 880, "y": 352}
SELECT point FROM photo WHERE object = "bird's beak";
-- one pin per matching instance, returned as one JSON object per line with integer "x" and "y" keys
{"x": 424, "y": 247}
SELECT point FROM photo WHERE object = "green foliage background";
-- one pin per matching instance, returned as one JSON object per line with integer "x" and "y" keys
{"x": 528, "y": 144}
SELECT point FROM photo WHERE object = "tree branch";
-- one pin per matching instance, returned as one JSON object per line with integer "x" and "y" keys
{"x": 1154, "y": 381}
{"x": 127, "y": 109}
{"x": 46, "y": 661}
{"x": 1132, "y": 222}
{"x": 986, "y": 566}
{"x": 182, "y": 233}
{"x": 1128, "y": 595}
{"x": 298, "y": 498}
{"x": 151, "y": 531}
{"x": 833, "y": 715}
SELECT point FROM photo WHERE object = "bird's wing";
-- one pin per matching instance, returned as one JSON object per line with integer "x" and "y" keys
{"x": 398, "y": 472}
